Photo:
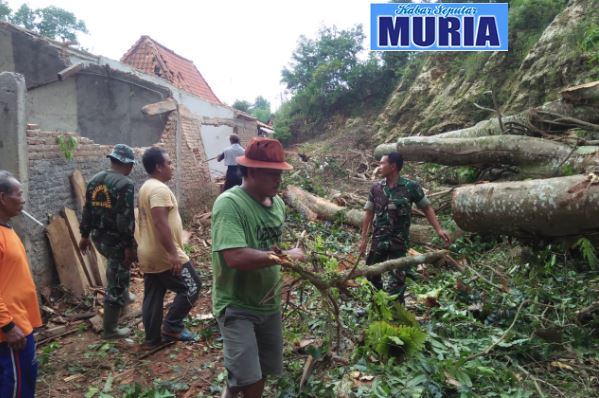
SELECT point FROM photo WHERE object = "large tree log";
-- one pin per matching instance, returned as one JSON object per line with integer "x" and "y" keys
{"x": 587, "y": 93}
{"x": 555, "y": 117}
{"x": 313, "y": 207}
{"x": 577, "y": 107}
{"x": 537, "y": 156}
{"x": 554, "y": 207}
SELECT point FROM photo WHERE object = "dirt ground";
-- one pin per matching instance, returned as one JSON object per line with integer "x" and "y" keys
{"x": 81, "y": 362}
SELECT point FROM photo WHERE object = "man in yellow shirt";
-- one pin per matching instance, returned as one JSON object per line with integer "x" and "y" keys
{"x": 161, "y": 256}
{"x": 19, "y": 309}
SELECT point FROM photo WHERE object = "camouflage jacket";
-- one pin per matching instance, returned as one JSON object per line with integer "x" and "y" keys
{"x": 392, "y": 209}
{"x": 108, "y": 213}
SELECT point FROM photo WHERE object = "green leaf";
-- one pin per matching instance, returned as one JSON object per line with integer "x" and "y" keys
{"x": 108, "y": 384}
{"x": 91, "y": 391}
{"x": 513, "y": 342}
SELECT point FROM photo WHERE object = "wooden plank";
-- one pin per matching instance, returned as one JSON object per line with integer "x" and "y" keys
{"x": 69, "y": 271}
{"x": 85, "y": 261}
{"x": 78, "y": 184}
{"x": 98, "y": 263}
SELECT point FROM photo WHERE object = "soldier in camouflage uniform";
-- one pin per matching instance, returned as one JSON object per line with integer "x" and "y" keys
{"x": 389, "y": 205}
{"x": 108, "y": 216}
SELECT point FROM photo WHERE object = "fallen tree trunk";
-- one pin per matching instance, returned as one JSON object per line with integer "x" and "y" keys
{"x": 553, "y": 207}
{"x": 536, "y": 156}
{"x": 314, "y": 207}
{"x": 587, "y": 93}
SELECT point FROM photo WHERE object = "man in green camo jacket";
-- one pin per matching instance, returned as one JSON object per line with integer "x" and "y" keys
{"x": 389, "y": 209}
{"x": 108, "y": 216}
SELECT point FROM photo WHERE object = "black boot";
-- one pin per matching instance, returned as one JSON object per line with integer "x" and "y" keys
{"x": 111, "y": 317}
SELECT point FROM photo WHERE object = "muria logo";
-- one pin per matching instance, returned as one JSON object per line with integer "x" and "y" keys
{"x": 438, "y": 27}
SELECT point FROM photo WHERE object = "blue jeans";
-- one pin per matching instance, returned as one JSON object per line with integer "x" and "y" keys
{"x": 18, "y": 370}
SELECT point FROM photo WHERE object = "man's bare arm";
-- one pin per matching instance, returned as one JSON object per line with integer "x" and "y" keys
{"x": 246, "y": 259}
{"x": 368, "y": 217}
{"x": 429, "y": 212}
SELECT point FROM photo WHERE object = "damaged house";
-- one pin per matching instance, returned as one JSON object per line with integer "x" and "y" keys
{"x": 49, "y": 92}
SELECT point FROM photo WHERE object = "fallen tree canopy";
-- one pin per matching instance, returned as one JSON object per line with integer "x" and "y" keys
{"x": 553, "y": 207}
{"x": 535, "y": 156}
{"x": 314, "y": 207}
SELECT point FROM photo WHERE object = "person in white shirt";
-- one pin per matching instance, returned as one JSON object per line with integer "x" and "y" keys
{"x": 230, "y": 154}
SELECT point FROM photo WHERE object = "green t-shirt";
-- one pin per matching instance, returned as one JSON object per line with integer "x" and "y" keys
{"x": 238, "y": 220}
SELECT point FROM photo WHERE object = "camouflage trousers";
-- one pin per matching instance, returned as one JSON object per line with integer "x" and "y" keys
{"x": 117, "y": 272}
{"x": 395, "y": 280}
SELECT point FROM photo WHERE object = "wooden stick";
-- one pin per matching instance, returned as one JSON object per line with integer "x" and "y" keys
{"x": 156, "y": 349}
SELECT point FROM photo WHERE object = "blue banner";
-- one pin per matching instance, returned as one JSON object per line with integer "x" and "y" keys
{"x": 439, "y": 27}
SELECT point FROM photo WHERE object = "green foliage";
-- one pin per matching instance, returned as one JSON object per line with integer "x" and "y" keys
{"x": 465, "y": 174}
{"x": 134, "y": 390}
{"x": 533, "y": 15}
{"x": 260, "y": 109}
{"x": 68, "y": 145}
{"x": 52, "y": 22}
{"x": 47, "y": 351}
{"x": 242, "y": 105}
{"x": 327, "y": 77}
{"x": 590, "y": 43}
{"x": 5, "y": 11}
{"x": 24, "y": 17}
{"x": 393, "y": 330}
{"x": 388, "y": 340}
{"x": 588, "y": 252}
{"x": 188, "y": 249}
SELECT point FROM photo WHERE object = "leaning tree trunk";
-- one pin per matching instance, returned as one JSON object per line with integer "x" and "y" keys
{"x": 578, "y": 107}
{"x": 313, "y": 207}
{"x": 535, "y": 156}
{"x": 553, "y": 207}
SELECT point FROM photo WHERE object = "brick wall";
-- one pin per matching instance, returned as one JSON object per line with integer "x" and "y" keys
{"x": 246, "y": 130}
{"x": 50, "y": 189}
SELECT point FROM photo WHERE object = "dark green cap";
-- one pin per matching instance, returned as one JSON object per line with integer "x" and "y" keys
{"x": 123, "y": 153}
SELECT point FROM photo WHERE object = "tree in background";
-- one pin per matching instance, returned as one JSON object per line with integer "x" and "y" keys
{"x": 260, "y": 109}
{"x": 329, "y": 76}
{"x": 4, "y": 11}
{"x": 242, "y": 105}
{"x": 52, "y": 22}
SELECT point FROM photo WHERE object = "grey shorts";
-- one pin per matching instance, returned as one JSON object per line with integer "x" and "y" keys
{"x": 253, "y": 345}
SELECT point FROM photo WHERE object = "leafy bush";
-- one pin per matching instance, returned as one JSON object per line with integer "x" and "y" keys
{"x": 388, "y": 340}
{"x": 590, "y": 43}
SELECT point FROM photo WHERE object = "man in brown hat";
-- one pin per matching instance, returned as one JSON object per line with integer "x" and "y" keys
{"x": 247, "y": 221}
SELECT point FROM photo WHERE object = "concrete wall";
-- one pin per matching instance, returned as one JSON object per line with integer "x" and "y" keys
{"x": 109, "y": 110}
{"x": 30, "y": 55}
{"x": 6, "y": 57}
{"x": 44, "y": 109}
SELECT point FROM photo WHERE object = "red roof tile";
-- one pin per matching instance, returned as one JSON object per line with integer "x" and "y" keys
{"x": 153, "y": 58}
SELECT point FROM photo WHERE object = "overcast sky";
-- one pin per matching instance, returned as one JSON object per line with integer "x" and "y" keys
{"x": 240, "y": 47}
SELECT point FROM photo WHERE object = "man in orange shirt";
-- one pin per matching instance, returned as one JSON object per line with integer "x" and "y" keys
{"x": 19, "y": 309}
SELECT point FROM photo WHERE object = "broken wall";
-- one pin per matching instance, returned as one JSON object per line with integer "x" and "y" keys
{"x": 50, "y": 189}
{"x": 30, "y": 55}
